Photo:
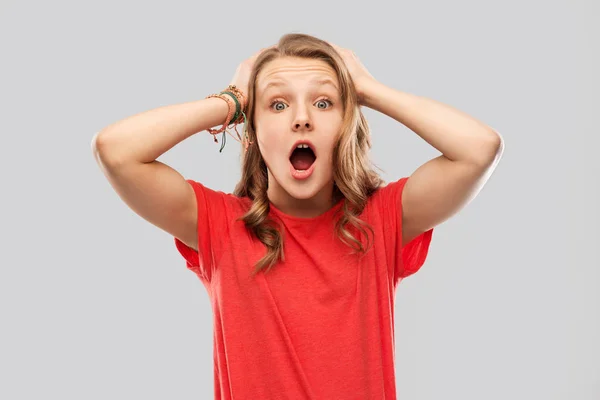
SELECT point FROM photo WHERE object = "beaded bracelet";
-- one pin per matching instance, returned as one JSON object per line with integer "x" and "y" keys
{"x": 236, "y": 102}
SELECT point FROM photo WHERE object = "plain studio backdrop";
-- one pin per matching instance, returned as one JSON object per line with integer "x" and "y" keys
{"x": 96, "y": 303}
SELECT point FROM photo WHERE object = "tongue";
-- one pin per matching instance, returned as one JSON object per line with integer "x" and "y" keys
{"x": 302, "y": 159}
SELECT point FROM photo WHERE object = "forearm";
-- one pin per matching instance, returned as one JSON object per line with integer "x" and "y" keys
{"x": 146, "y": 136}
{"x": 458, "y": 136}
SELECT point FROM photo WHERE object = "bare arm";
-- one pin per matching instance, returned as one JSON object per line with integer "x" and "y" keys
{"x": 126, "y": 152}
{"x": 441, "y": 187}
{"x": 146, "y": 136}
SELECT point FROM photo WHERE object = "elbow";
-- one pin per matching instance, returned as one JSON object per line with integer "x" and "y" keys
{"x": 98, "y": 145}
{"x": 491, "y": 150}
{"x": 102, "y": 151}
{"x": 497, "y": 147}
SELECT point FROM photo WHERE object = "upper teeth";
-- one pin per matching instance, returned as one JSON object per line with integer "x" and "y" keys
{"x": 302, "y": 146}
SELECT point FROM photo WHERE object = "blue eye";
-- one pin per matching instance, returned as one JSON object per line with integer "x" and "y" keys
{"x": 274, "y": 102}
{"x": 326, "y": 100}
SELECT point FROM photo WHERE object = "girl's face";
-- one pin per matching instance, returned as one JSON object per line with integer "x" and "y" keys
{"x": 298, "y": 101}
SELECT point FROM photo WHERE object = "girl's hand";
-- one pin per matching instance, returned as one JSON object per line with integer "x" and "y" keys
{"x": 358, "y": 72}
{"x": 242, "y": 74}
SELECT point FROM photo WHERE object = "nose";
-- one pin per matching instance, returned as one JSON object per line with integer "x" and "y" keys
{"x": 302, "y": 120}
{"x": 298, "y": 124}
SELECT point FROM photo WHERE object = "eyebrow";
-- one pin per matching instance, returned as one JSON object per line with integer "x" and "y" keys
{"x": 319, "y": 81}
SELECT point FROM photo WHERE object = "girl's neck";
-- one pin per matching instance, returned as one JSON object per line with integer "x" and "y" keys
{"x": 304, "y": 208}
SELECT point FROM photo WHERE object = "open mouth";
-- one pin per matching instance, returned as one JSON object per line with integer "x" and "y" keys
{"x": 302, "y": 157}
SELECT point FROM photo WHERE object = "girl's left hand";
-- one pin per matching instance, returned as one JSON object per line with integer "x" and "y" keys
{"x": 358, "y": 72}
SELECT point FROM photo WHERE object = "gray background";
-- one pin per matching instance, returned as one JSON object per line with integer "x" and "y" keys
{"x": 96, "y": 303}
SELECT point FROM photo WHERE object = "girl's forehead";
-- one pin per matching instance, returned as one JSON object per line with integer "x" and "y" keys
{"x": 286, "y": 71}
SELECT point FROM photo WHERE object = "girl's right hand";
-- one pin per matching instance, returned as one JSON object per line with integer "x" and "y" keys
{"x": 242, "y": 74}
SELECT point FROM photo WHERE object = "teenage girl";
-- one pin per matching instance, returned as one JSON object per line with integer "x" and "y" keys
{"x": 302, "y": 260}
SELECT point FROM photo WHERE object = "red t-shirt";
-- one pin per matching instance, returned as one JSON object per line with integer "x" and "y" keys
{"x": 319, "y": 325}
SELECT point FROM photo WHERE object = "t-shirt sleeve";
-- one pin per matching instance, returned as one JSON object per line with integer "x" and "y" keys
{"x": 408, "y": 259}
{"x": 213, "y": 226}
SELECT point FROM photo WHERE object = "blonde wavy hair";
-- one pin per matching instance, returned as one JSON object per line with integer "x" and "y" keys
{"x": 354, "y": 177}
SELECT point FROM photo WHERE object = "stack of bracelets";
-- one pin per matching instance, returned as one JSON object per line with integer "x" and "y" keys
{"x": 237, "y": 105}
